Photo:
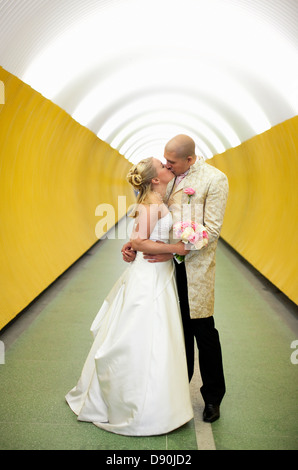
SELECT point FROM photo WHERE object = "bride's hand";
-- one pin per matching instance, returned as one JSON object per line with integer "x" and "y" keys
{"x": 128, "y": 254}
{"x": 180, "y": 248}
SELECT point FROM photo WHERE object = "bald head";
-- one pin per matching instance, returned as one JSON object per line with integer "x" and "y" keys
{"x": 180, "y": 154}
{"x": 182, "y": 146}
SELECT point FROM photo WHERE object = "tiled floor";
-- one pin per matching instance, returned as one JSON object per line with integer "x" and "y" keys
{"x": 257, "y": 327}
{"x": 46, "y": 348}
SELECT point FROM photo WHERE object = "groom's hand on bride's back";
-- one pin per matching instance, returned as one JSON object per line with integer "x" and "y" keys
{"x": 157, "y": 258}
{"x": 128, "y": 254}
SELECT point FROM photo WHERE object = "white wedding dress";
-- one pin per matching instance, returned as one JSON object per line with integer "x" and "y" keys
{"x": 134, "y": 381}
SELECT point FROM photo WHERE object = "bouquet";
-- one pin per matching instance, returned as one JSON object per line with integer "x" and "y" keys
{"x": 190, "y": 232}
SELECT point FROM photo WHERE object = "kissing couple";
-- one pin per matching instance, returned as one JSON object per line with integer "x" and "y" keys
{"x": 135, "y": 380}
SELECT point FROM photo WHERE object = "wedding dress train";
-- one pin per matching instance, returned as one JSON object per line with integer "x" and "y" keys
{"x": 135, "y": 381}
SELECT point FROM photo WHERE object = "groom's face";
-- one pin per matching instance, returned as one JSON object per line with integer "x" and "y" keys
{"x": 175, "y": 164}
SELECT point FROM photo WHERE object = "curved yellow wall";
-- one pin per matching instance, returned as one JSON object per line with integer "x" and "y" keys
{"x": 261, "y": 220}
{"x": 53, "y": 175}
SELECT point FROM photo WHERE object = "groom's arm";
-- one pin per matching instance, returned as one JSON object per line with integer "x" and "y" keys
{"x": 129, "y": 255}
{"x": 158, "y": 258}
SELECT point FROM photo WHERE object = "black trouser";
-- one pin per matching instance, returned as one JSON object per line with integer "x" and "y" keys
{"x": 207, "y": 338}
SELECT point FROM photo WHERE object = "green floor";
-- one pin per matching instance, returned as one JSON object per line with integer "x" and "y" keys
{"x": 46, "y": 347}
{"x": 257, "y": 326}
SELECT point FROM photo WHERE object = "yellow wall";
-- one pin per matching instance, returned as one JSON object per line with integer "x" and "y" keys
{"x": 53, "y": 175}
{"x": 261, "y": 220}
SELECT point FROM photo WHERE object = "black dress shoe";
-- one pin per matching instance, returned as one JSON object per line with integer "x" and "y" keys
{"x": 211, "y": 413}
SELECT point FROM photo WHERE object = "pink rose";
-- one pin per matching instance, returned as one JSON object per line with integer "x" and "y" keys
{"x": 193, "y": 238}
{"x": 189, "y": 191}
{"x": 184, "y": 225}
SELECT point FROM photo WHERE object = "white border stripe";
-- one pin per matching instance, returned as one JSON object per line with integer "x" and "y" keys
{"x": 204, "y": 435}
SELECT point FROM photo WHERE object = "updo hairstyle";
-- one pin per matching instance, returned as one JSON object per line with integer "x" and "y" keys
{"x": 140, "y": 177}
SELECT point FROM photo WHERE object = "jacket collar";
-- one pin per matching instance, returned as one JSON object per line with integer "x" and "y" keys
{"x": 172, "y": 188}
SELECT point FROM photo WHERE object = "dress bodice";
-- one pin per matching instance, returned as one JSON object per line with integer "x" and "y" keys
{"x": 162, "y": 229}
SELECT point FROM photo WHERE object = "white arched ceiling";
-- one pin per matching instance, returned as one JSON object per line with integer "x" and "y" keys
{"x": 137, "y": 72}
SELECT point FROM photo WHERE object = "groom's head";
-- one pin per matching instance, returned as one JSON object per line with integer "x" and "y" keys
{"x": 180, "y": 154}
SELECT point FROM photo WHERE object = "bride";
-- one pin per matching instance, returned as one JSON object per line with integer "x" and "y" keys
{"x": 135, "y": 381}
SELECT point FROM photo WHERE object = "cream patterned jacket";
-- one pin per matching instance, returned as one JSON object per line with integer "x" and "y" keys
{"x": 207, "y": 207}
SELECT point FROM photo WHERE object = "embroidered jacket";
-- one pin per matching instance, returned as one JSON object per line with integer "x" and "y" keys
{"x": 206, "y": 206}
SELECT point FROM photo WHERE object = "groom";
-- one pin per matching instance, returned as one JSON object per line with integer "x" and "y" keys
{"x": 196, "y": 275}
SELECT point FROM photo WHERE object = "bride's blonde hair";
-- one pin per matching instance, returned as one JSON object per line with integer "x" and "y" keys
{"x": 140, "y": 177}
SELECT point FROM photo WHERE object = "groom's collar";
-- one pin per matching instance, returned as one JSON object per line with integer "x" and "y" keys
{"x": 196, "y": 165}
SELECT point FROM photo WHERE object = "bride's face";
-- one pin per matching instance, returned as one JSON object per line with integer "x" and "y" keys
{"x": 163, "y": 174}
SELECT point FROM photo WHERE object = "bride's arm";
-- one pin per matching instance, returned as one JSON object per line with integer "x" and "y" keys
{"x": 145, "y": 223}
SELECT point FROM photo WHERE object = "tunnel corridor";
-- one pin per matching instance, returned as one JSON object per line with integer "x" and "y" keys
{"x": 90, "y": 87}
